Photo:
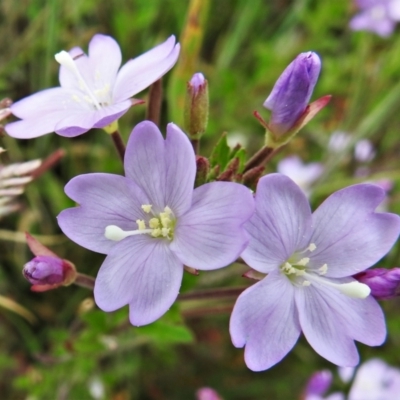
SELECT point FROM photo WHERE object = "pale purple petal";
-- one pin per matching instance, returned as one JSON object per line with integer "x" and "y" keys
{"x": 105, "y": 58}
{"x": 143, "y": 272}
{"x": 104, "y": 200}
{"x": 348, "y": 235}
{"x": 180, "y": 164}
{"x": 36, "y": 126}
{"x": 264, "y": 322}
{"x": 139, "y": 73}
{"x": 280, "y": 225}
{"x": 81, "y": 121}
{"x": 45, "y": 102}
{"x": 211, "y": 234}
{"x": 323, "y": 327}
{"x": 164, "y": 169}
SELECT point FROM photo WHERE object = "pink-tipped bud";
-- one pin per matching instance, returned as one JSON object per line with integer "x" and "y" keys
{"x": 384, "y": 283}
{"x": 44, "y": 270}
{"x": 48, "y": 272}
{"x": 196, "y": 106}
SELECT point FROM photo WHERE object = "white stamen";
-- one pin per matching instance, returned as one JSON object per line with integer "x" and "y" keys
{"x": 113, "y": 232}
{"x": 146, "y": 208}
{"x": 323, "y": 270}
{"x": 312, "y": 247}
{"x": 303, "y": 262}
{"x": 65, "y": 59}
{"x": 306, "y": 283}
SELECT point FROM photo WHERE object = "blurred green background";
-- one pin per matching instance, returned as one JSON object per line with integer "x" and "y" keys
{"x": 73, "y": 349}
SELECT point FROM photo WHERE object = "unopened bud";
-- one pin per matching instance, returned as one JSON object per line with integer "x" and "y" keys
{"x": 44, "y": 270}
{"x": 196, "y": 106}
{"x": 292, "y": 92}
{"x": 319, "y": 383}
{"x": 48, "y": 272}
{"x": 384, "y": 283}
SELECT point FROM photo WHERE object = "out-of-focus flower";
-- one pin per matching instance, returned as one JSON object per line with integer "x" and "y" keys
{"x": 151, "y": 223}
{"x": 196, "y": 106}
{"x": 378, "y": 16}
{"x": 346, "y": 373}
{"x": 207, "y": 393}
{"x": 364, "y": 151}
{"x": 338, "y": 141}
{"x": 303, "y": 175}
{"x": 47, "y": 271}
{"x": 384, "y": 283}
{"x": 289, "y": 99}
{"x": 375, "y": 380}
{"x": 93, "y": 91}
{"x": 318, "y": 385}
{"x": 310, "y": 260}
{"x": 13, "y": 179}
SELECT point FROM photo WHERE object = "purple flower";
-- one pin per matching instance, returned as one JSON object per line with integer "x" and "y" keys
{"x": 384, "y": 283}
{"x": 94, "y": 92}
{"x": 292, "y": 92}
{"x": 378, "y": 16}
{"x": 375, "y": 380}
{"x": 310, "y": 260}
{"x": 151, "y": 223}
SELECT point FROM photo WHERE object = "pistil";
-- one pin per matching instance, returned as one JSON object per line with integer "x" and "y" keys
{"x": 65, "y": 59}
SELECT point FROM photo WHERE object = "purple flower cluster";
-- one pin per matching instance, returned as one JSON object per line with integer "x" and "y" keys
{"x": 152, "y": 223}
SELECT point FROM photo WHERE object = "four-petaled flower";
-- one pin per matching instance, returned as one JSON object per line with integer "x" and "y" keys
{"x": 94, "y": 92}
{"x": 151, "y": 223}
{"x": 309, "y": 259}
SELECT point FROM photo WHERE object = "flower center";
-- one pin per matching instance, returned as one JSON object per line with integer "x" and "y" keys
{"x": 300, "y": 274}
{"x": 91, "y": 97}
{"x": 159, "y": 226}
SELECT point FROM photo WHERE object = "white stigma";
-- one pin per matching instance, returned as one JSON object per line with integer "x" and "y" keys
{"x": 355, "y": 290}
{"x": 161, "y": 226}
{"x": 65, "y": 59}
{"x": 113, "y": 232}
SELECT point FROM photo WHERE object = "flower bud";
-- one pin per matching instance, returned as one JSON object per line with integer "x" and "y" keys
{"x": 44, "y": 270}
{"x": 292, "y": 92}
{"x": 48, "y": 272}
{"x": 384, "y": 283}
{"x": 196, "y": 106}
{"x": 319, "y": 383}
